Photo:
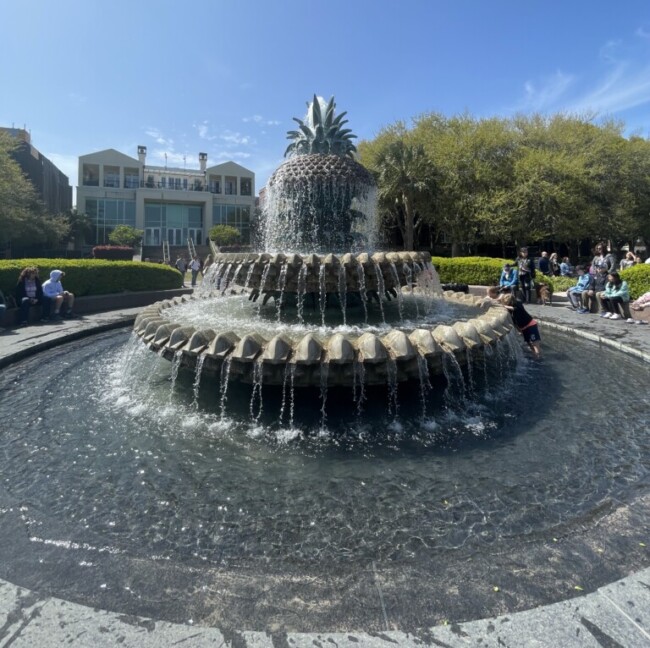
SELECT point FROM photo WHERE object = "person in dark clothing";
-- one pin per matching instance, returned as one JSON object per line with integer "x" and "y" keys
{"x": 29, "y": 292}
{"x": 524, "y": 323}
{"x": 544, "y": 265}
{"x": 526, "y": 273}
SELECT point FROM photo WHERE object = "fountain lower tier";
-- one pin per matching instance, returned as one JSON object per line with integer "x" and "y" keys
{"x": 381, "y": 273}
{"x": 316, "y": 360}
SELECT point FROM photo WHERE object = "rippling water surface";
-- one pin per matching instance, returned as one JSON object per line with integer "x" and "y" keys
{"x": 102, "y": 447}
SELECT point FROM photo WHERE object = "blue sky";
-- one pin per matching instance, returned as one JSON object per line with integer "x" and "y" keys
{"x": 226, "y": 76}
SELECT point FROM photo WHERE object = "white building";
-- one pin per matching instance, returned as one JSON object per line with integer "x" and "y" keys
{"x": 168, "y": 204}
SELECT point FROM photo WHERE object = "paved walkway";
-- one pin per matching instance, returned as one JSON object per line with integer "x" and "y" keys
{"x": 615, "y": 616}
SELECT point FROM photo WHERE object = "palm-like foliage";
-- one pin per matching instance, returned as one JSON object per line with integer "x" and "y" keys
{"x": 321, "y": 133}
{"x": 406, "y": 180}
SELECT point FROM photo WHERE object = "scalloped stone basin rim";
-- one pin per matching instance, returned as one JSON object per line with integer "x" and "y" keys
{"x": 395, "y": 354}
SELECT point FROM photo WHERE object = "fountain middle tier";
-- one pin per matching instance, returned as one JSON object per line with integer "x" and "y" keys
{"x": 382, "y": 272}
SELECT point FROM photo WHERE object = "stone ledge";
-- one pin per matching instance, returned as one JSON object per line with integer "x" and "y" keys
{"x": 102, "y": 303}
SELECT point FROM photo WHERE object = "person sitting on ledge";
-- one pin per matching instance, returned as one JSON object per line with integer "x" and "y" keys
{"x": 53, "y": 290}
{"x": 615, "y": 297}
{"x": 575, "y": 293}
{"x": 29, "y": 292}
{"x": 509, "y": 280}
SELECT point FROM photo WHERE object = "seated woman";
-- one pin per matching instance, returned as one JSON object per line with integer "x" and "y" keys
{"x": 509, "y": 280}
{"x": 616, "y": 298}
{"x": 29, "y": 292}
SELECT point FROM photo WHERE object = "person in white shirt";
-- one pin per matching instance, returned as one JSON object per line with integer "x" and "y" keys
{"x": 195, "y": 267}
{"x": 53, "y": 290}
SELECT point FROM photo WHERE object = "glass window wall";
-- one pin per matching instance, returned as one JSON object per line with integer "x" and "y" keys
{"x": 107, "y": 214}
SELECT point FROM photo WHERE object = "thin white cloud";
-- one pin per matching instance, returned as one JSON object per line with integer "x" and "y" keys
{"x": 232, "y": 155}
{"x": 621, "y": 89}
{"x": 236, "y": 139}
{"x": 203, "y": 130}
{"x": 159, "y": 138}
{"x": 609, "y": 52}
{"x": 258, "y": 119}
{"x": 643, "y": 32}
{"x": 543, "y": 95}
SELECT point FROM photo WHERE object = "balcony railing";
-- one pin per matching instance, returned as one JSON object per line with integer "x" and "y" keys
{"x": 150, "y": 184}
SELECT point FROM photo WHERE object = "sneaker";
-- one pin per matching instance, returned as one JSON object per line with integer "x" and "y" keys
{"x": 605, "y": 315}
{"x": 582, "y": 311}
{"x": 57, "y": 317}
{"x": 615, "y": 316}
{"x": 629, "y": 320}
{"x": 640, "y": 322}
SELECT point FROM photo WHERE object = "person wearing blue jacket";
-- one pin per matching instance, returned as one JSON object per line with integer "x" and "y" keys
{"x": 509, "y": 279}
{"x": 616, "y": 295}
{"x": 585, "y": 282}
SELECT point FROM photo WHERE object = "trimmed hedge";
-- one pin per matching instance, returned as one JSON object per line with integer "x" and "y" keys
{"x": 113, "y": 252}
{"x": 476, "y": 271}
{"x": 638, "y": 279}
{"x": 485, "y": 271}
{"x": 94, "y": 276}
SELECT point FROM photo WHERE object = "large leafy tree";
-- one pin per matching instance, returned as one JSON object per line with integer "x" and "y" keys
{"x": 20, "y": 209}
{"x": 406, "y": 181}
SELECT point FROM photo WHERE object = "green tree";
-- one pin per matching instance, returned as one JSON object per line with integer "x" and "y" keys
{"x": 224, "y": 235}
{"x": 126, "y": 235}
{"x": 20, "y": 208}
{"x": 406, "y": 181}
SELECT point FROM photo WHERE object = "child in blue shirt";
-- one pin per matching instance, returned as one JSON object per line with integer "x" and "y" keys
{"x": 585, "y": 282}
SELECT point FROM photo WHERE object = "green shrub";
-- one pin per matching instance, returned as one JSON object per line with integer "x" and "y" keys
{"x": 94, "y": 276}
{"x": 560, "y": 284}
{"x": 224, "y": 235}
{"x": 477, "y": 271}
{"x": 638, "y": 279}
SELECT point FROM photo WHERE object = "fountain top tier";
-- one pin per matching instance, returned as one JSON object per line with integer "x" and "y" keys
{"x": 320, "y": 198}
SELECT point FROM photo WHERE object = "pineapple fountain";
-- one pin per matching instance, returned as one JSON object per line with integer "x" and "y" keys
{"x": 318, "y": 307}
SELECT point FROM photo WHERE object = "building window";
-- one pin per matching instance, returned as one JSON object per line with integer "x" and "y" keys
{"x": 131, "y": 178}
{"x": 150, "y": 183}
{"x": 185, "y": 184}
{"x": 177, "y": 183}
{"x": 246, "y": 186}
{"x": 112, "y": 176}
{"x": 163, "y": 182}
{"x": 237, "y": 216}
{"x": 230, "y": 186}
{"x": 173, "y": 222}
{"x": 107, "y": 214}
{"x": 91, "y": 175}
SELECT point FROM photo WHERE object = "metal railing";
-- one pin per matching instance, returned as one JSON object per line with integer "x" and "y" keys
{"x": 165, "y": 250}
{"x": 191, "y": 248}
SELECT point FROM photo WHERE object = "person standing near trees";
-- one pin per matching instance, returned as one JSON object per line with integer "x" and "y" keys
{"x": 526, "y": 272}
{"x": 181, "y": 266}
{"x": 544, "y": 264}
{"x": 603, "y": 259}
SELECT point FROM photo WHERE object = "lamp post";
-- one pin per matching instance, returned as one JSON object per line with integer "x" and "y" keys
{"x": 640, "y": 247}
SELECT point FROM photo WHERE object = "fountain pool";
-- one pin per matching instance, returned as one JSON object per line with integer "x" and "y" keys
{"x": 125, "y": 489}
